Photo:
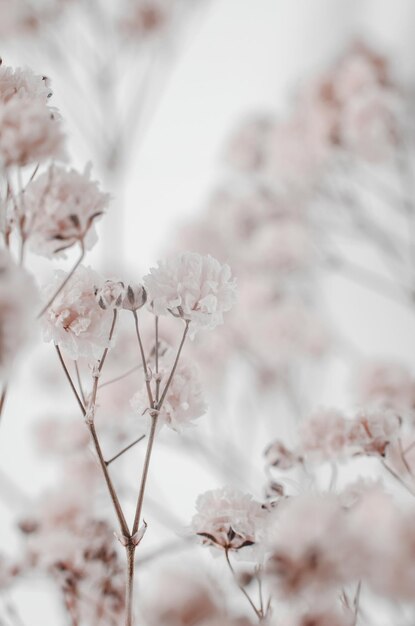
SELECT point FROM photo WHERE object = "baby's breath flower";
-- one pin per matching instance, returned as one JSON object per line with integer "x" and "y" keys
{"x": 228, "y": 519}
{"x": 196, "y": 288}
{"x": 60, "y": 208}
{"x": 75, "y": 321}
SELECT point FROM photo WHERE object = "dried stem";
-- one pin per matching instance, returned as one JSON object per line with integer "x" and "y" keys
{"x": 3, "y": 399}
{"x": 258, "y": 612}
{"x": 144, "y": 361}
{"x": 176, "y": 361}
{"x": 129, "y": 620}
{"x": 147, "y": 459}
{"x": 121, "y": 452}
{"x": 64, "y": 283}
{"x": 69, "y": 378}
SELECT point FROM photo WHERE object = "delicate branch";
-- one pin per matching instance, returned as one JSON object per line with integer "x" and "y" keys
{"x": 176, "y": 361}
{"x": 78, "y": 377}
{"x": 121, "y": 452}
{"x": 258, "y": 612}
{"x": 398, "y": 478}
{"x": 147, "y": 376}
{"x": 3, "y": 399}
{"x": 120, "y": 377}
{"x": 147, "y": 459}
{"x": 69, "y": 378}
{"x": 118, "y": 510}
{"x": 64, "y": 283}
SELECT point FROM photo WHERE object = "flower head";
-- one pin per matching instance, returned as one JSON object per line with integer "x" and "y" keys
{"x": 228, "y": 519}
{"x": 75, "y": 321}
{"x": 196, "y": 288}
{"x": 60, "y": 208}
{"x": 29, "y": 129}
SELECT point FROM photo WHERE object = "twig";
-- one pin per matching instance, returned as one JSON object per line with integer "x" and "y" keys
{"x": 121, "y": 452}
{"x": 64, "y": 283}
{"x": 258, "y": 613}
{"x": 143, "y": 359}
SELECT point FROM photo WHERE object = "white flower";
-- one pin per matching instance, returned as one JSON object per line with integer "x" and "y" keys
{"x": 30, "y": 130}
{"x": 184, "y": 400}
{"x": 135, "y": 297}
{"x": 75, "y": 321}
{"x": 228, "y": 519}
{"x": 17, "y": 309}
{"x": 197, "y": 288}
{"x": 111, "y": 294}
{"x": 23, "y": 84}
{"x": 60, "y": 208}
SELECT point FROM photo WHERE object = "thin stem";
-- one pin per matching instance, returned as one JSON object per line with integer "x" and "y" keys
{"x": 121, "y": 452}
{"x": 101, "y": 362}
{"x": 64, "y": 283}
{"x": 69, "y": 378}
{"x": 398, "y": 478}
{"x": 78, "y": 377}
{"x": 156, "y": 331}
{"x": 356, "y": 602}
{"x": 3, "y": 399}
{"x": 257, "y": 611}
{"x": 91, "y": 428}
{"x": 145, "y": 473}
{"x": 118, "y": 510}
{"x": 143, "y": 359}
{"x": 176, "y": 361}
{"x": 120, "y": 377}
{"x": 129, "y": 619}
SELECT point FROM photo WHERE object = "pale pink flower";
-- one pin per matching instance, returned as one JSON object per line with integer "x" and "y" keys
{"x": 145, "y": 18}
{"x": 181, "y": 598}
{"x": 248, "y": 148}
{"x": 30, "y": 132}
{"x": 278, "y": 455}
{"x": 228, "y": 519}
{"x": 386, "y": 384}
{"x": 196, "y": 288}
{"x": 184, "y": 401}
{"x": 75, "y": 321}
{"x": 371, "y": 432}
{"x": 111, "y": 294}
{"x": 371, "y": 123}
{"x": 60, "y": 208}
{"x": 312, "y": 545}
{"x": 360, "y": 68}
{"x": 325, "y": 435}
{"x": 18, "y": 301}
{"x": 23, "y": 84}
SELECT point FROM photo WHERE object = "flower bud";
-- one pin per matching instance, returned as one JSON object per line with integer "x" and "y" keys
{"x": 110, "y": 295}
{"x": 134, "y": 298}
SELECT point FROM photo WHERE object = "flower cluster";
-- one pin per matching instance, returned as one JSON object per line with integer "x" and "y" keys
{"x": 59, "y": 208}
{"x": 228, "y": 519}
{"x": 75, "y": 321}
{"x": 196, "y": 288}
{"x": 30, "y": 130}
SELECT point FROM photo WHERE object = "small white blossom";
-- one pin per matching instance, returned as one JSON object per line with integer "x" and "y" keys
{"x": 110, "y": 295}
{"x": 228, "y": 519}
{"x": 75, "y": 321}
{"x": 197, "y": 288}
{"x": 60, "y": 208}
